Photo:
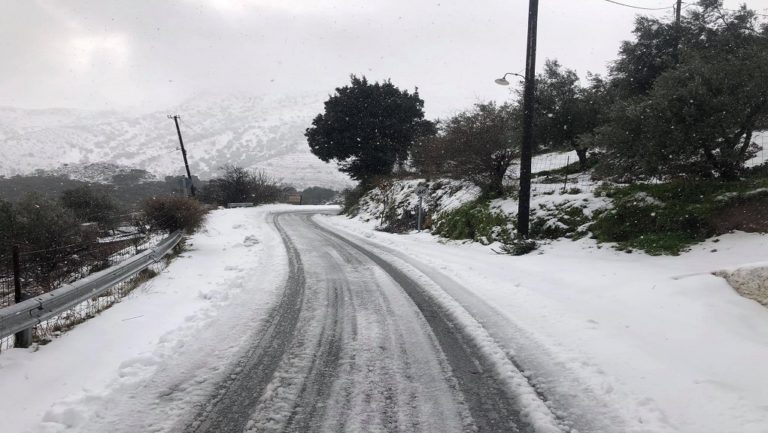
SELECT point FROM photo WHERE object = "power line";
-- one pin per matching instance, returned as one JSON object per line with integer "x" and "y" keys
{"x": 640, "y": 7}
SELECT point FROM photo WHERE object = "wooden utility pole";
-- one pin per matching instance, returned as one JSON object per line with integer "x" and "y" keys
{"x": 175, "y": 118}
{"x": 526, "y": 151}
{"x": 678, "y": 31}
{"x": 22, "y": 339}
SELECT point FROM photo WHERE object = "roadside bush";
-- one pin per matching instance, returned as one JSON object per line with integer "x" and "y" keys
{"x": 46, "y": 227}
{"x": 519, "y": 247}
{"x": 317, "y": 195}
{"x": 559, "y": 220}
{"x": 90, "y": 205}
{"x": 174, "y": 213}
{"x": 475, "y": 221}
{"x": 352, "y": 200}
{"x": 668, "y": 218}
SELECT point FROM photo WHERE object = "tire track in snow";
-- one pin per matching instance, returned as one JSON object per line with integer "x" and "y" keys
{"x": 229, "y": 410}
{"x": 491, "y": 408}
{"x": 389, "y": 376}
{"x": 355, "y": 345}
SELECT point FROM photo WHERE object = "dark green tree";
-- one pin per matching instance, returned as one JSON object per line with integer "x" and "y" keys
{"x": 368, "y": 128}
{"x": 90, "y": 205}
{"x": 698, "y": 120}
{"x": 698, "y": 117}
{"x": 566, "y": 111}
{"x": 643, "y": 59}
{"x": 318, "y": 195}
{"x": 7, "y": 222}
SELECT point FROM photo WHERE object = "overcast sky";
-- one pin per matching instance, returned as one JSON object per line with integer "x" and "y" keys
{"x": 150, "y": 54}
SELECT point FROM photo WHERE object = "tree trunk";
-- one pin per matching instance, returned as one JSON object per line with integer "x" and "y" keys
{"x": 582, "y": 154}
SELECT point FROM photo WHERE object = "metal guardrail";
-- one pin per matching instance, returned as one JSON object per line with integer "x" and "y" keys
{"x": 34, "y": 311}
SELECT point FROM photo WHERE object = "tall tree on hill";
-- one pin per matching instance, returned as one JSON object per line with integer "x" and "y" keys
{"x": 698, "y": 117}
{"x": 566, "y": 111}
{"x": 368, "y": 127}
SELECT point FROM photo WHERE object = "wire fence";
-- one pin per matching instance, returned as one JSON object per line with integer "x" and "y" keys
{"x": 42, "y": 271}
{"x": 559, "y": 172}
{"x": 555, "y": 172}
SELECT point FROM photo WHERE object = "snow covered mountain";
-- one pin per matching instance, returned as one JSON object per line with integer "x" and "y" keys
{"x": 244, "y": 130}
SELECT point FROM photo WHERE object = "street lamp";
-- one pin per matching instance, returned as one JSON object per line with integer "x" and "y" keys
{"x": 503, "y": 80}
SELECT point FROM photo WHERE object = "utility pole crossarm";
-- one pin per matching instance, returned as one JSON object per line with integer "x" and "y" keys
{"x": 176, "y": 118}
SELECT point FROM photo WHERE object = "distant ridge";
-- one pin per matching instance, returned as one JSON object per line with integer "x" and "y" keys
{"x": 250, "y": 131}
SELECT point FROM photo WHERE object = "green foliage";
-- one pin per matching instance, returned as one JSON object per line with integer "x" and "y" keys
{"x": 317, "y": 195}
{"x": 7, "y": 222}
{"x": 475, "y": 221}
{"x": 696, "y": 117}
{"x": 667, "y": 218}
{"x": 367, "y": 128}
{"x": 643, "y": 59}
{"x": 90, "y": 205}
{"x": 42, "y": 223}
{"x": 697, "y": 120}
{"x": 519, "y": 247}
{"x": 559, "y": 220}
{"x": 352, "y": 200}
{"x": 476, "y": 145}
{"x": 566, "y": 111}
{"x": 174, "y": 213}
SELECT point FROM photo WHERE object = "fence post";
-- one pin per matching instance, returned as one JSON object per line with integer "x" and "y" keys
{"x": 23, "y": 339}
{"x": 567, "y": 163}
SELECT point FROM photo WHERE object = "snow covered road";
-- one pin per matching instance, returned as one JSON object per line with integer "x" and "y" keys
{"x": 356, "y": 345}
{"x": 273, "y": 323}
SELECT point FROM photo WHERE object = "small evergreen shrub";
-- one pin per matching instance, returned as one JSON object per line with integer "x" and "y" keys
{"x": 174, "y": 213}
{"x": 475, "y": 221}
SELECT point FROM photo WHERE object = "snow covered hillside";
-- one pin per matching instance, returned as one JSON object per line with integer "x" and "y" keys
{"x": 253, "y": 132}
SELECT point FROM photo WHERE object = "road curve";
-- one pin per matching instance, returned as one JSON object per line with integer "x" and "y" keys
{"x": 355, "y": 345}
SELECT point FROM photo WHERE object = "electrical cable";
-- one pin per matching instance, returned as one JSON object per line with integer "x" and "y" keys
{"x": 639, "y": 7}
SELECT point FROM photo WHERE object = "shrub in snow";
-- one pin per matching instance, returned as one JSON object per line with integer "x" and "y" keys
{"x": 174, "y": 213}
{"x": 519, "y": 247}
{"x": 475, "y": 221}
{"x": 394, "y": 204}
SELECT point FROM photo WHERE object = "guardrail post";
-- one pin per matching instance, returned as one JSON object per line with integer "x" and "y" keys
{"x": 23, "y": 339}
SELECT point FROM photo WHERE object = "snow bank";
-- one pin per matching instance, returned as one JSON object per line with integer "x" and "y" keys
{"x": 751, "y": 282}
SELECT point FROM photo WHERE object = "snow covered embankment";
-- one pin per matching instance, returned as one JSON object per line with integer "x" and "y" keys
{"x": 163, "y": 341}
{"x": 393, "y": 206}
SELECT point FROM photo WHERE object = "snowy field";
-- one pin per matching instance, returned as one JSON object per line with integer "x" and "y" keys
{"x": 622, "y": 342}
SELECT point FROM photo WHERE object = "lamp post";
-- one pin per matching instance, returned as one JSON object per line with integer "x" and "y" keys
{"x": 526, "y": 151}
